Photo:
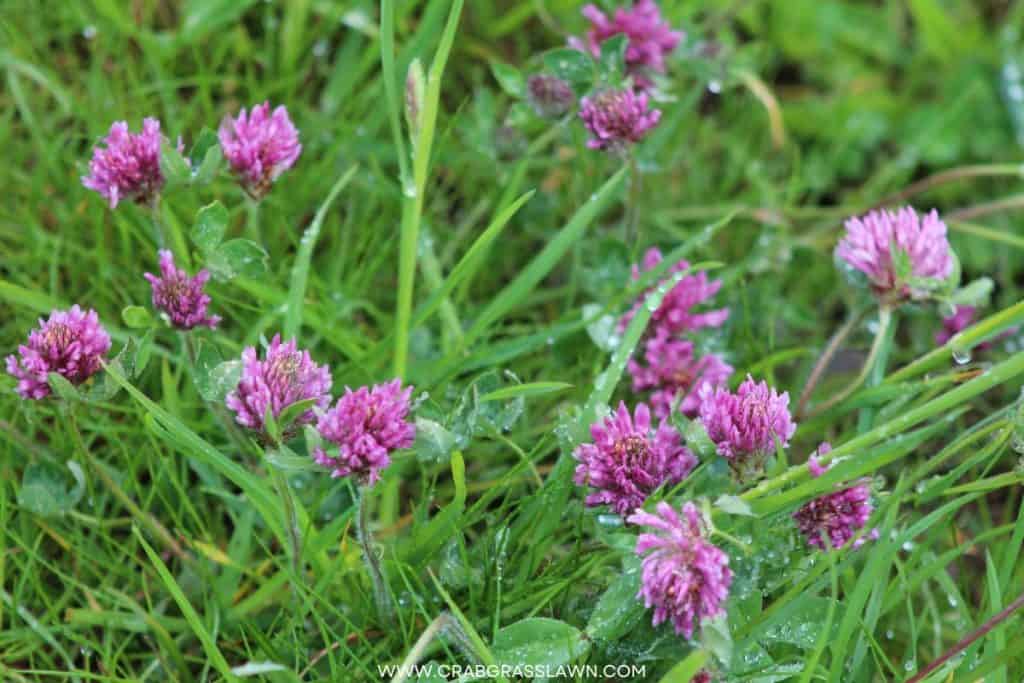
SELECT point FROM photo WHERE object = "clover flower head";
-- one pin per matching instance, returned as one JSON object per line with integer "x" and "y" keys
{"x": 685, "y": 577}
{"x": 128, "y": 165}
{"x": 180, "y": 297}
{"x": 259, "y": 146}
{"x": 617, "y": 119}
{"x": 649, "y": 39}
{"x": 876, "y": 243}
{"x": 70, "y": 343}
{"x": 674, "y": 373}
{"x": 839, "y": 515}
{"x": 629, "y": 459}
{"x": 285, "y": 376}
{"x": 366, "y": 426}
{"x": 675, "y": 314}
{"x": 550, "y": 96}
{"x": 746, "y": 423}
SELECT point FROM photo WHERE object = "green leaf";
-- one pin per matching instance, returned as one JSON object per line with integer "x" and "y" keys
{"x": 195, "y": 622}
{"x": 63, "y": 388}
{"x": 136, "y": 317}
{"x": 286, "y": 460}
{"x": 215, "y": 380}
{"x": 509, "y": 78}
{"x": 734, "y": 505}
{"x": 211, "y": 224}
{"x": 433, "y": 443}
{"x": 539, "y": 642}
{"x": 685, "y": 670}
{"x": 716, "y": 638}
{"x": 143, "y": 353}
{"x": 618, "y": 610}
{"x": 698, "y": 441}
{"x": 524, "y": 390}
{"x": 613, "y": 58}
{"x": 47, "y": 491}
{"x": 300, "y": 269}
{"x": 205, "y": 141}
{"x": 293, "y": 411}
{"x": 975, "y": 293}
{"x": 571, "y": 65}
{"x": 237, "y": 257}
{"x": 173, "y": 165}
{"x": 209, "y": 167}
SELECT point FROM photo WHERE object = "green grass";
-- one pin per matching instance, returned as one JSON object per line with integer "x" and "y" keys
{"x": 472, "y": 262}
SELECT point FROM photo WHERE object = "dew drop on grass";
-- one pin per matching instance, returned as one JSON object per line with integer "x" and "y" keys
{"x": 953, "y": 601}
{"x": 89, "y": 32}
{"x": 962, "y": 356}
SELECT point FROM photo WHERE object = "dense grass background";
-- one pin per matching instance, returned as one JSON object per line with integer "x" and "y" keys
{"x": 786, "y": 117}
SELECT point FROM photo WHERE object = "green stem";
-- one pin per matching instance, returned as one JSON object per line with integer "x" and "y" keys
{"x": 994, "y": 377}
{"x": 292, "y": 530}
{"x": 158, "y": 224}
{"x": 633, "y": 204}
{"x": 442, "y": 621}
{"x": 147, "y": 520}
{"x": 885, "y": 317}
{"x": 381, "y": 595}
{"x": 826, "y": 357}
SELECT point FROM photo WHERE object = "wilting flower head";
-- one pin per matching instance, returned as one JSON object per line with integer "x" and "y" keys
{"x": 676, "y": 315}
{"x": 870, "y": 241}
{"x": 71, "y": 343}
{"x": 650, "y": 39}
{"x": 837, "y": 515}
{"x": 748, "y": 422}
{"x": 617, "y": 118}
{"x": 674, "y": 374}
{"x": 685, "y": 577}
{"x": 260, "y": 146}
{"x": 284, "y": 377}
{"x": 550, "y": 96}
{"x": 629, "y": 459}
{"x": 366, "y": 425}
{"x": 129, "y": 166}
{"x": 179, "y": 296}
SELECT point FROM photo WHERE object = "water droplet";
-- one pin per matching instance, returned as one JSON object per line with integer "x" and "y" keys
{"x": 907, "y": 546}
{"x": 962, "y": 356}
{"x": 89, "y": 32}
{"x": 953, "y": 601}
{"x": 715, "y": 86}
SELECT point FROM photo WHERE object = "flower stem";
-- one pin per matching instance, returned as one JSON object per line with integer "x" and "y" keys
{"x": 885, "y": 316}
{"x": 158, "y": 224}
{"x": 969, "y": 639}
{"x": 826, "y": 357}
{"x": 633, "y": 205}
{"x": 147, "y": 520}
{"x": 292, "y": 530}
{"x": 381, "y": 596}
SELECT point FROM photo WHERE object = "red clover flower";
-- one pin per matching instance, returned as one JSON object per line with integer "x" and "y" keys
{"x": 71, "y": 343}
{"x": 839, "y": 515}
{"x": 284, "y": 377}
{"x": 875, "y": 243}
{"x": 179, "y": 296}
{"x": 259, "y": 146}
{"x": 629, "y": 459}
{"x": 366, "y": 425}
{"x": 685, "y": 577}
{"x": 128, "y": 167}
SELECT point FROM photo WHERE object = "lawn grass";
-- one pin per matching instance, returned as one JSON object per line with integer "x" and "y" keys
{"x": 478, "y": 261}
